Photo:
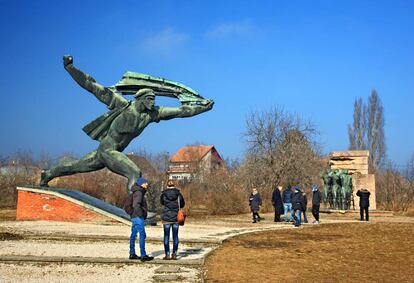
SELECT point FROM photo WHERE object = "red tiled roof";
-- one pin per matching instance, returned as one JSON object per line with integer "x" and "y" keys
{"x": 191, "y": 153}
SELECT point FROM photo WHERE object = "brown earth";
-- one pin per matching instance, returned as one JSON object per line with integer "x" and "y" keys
{"x": 347, "y": 252}
{"x": 7, "y": 214}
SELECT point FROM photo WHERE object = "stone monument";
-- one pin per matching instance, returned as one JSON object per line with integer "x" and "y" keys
{"x": 355, "y": 162}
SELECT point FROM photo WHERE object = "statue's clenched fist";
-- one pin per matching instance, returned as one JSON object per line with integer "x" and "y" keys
{"x": 67, "y": 59}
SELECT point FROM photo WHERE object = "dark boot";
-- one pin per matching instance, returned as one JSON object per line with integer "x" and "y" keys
{"x": 134, "y": 256}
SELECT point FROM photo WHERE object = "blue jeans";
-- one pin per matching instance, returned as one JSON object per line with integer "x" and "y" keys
{"x": 288, "y": 207}
{"x": 298, "y": 219}
{"x": 167, "y": 228}
{"x": 137, "y": 227}
{"x": 305, "y": 218}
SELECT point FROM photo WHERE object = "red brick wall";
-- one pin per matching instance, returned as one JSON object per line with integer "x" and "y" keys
{"x": 38, "y": 206}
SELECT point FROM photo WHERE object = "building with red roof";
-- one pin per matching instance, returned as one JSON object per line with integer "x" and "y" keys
{"x": 189, "y": 161}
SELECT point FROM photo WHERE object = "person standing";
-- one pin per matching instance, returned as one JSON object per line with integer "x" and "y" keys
{"x": 316, "y": 203}
{"x": 255, "y": 201}
{"x": 287, "y": 203}
{"x": 297, "y": 204}
{"x": 277, "y": 203}
{"x": 172, "y": 200}
{"x": 138, "y": 216}
{"x": 304, "y": 207}
{"x": 363, "y": 195}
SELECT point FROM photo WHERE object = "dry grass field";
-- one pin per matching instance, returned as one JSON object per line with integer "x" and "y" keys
{"x": 349, "y": 252}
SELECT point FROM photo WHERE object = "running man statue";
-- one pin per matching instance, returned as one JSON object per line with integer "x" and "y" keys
{"x": 117, "y": 128}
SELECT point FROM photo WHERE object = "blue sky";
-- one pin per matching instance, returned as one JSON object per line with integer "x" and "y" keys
{"x": 313, "y": 58}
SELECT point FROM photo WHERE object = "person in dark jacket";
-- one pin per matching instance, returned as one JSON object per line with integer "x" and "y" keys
{"x": 172, "y": 200}
{"x": 316, "y": 203}
{"x": 277, "y": 203}
{"x": 363, "y": 195}
{"x": 287, "y": 203}
{"x": 305, "y": 205}
{"x": 138, "y": 217}
{"x": 255, "y": 201}
{"x": 298, "y": 205}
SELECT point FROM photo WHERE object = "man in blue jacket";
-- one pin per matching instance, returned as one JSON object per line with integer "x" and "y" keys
{"x": 287, "y": 203}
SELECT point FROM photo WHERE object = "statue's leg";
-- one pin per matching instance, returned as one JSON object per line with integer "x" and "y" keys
{"x": 119, "y": 163}
{"x": 343, "y": 191}
{"x": 334, "y": 197}
{"x": 88, "y": 163}
{"x": 325, "y": 195}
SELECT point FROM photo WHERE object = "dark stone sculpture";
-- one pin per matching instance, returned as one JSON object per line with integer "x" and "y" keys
{"x": 337, "y": 188}
{"x": 125, "y": 121}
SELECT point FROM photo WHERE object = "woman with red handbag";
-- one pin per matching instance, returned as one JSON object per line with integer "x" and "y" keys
{"x": 172, "y": 201}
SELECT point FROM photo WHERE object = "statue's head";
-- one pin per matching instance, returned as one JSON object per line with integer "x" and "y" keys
{"x": 147, "y": 97}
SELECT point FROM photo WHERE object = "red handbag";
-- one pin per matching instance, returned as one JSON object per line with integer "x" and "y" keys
{"x": 180, "y": 215}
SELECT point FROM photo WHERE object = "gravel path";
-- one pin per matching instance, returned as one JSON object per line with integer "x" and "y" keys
{"x": 87, "y": 273}
{"x": 91, "y": 249}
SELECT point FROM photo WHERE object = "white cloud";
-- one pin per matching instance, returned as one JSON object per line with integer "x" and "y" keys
{"x": 165, "y": 43}
{"x": 243, "y": 28}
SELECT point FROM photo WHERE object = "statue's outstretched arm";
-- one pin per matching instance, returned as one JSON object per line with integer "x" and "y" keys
{"x": 167, "y": 113}
{"x": 104, "y": 94}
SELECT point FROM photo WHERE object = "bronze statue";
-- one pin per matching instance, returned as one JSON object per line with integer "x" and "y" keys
{"x": 346, "y": 181}
{"x": 337, "y": 188}
{"x": 327, "y": 187}
{"x": 117, "y": 128}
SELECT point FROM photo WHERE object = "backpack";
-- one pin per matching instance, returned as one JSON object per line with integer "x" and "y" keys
{"x": 128, "y": 204}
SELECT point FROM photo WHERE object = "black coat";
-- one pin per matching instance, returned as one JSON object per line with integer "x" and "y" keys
{"x": 277, "y": 201}
{"x": 255, "y": 201}
{"x": 363, "y": 198}
{"x": 298, "y": 202}
{"x": 305, "y": 201}
{"x": 139, "y": 203}
{"x": 169, "y": 201}
{"x": 316, "y": 198}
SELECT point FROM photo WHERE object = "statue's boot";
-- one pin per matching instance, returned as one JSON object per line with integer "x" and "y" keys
{"x": 45, "y": 178}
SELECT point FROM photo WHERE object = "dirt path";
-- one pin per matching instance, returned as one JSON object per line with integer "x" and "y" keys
{"x": 352, "y": 252}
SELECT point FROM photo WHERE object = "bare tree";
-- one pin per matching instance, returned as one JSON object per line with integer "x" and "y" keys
{"x": 19, "y": 170}
{"x": 375, "y": 131}
{"x": 409, "y": 172}
{"x": 394, "y": 191}
{"x": 281, "y": 149}
{"x": 367, "y": 131}
{"x": 357, "y": 132}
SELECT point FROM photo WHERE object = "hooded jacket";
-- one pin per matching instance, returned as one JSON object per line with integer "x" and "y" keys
{"x": 316, "y": 197}
{"x": 169, "y": 201}
{"x": 139, "y": 203}
{"x": 298, "y": 201}
{"x": 287, "y": 195}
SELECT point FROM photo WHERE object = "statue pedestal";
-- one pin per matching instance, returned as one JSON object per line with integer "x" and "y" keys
{"x": 55, "y": 204}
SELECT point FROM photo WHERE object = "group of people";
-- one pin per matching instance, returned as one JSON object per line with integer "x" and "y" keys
{"x": 171, "y": 200}
{"x": 284, "y": 201}
{"x": 295, "y": 202}
{"x": 288, "y": 201}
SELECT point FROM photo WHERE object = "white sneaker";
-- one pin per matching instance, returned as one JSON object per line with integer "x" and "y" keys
{"x": 315, "y": 222}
